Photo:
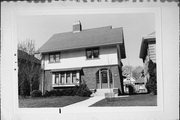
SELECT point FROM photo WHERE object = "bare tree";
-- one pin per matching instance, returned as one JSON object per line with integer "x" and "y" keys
{"x": 28, "y": 67}
{"x": 27, "y": 46}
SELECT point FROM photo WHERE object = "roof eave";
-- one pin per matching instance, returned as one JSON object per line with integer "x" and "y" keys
{"x": 83, "y": 47}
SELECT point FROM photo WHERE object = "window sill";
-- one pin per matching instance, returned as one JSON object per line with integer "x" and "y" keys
{"x": 63, "y": 85}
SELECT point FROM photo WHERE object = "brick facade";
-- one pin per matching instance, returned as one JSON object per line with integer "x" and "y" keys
{"x": 48, "y": 80}
{"x": 88, "y": 75}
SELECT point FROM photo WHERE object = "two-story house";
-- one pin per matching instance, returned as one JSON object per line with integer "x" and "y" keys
{"x": 148, "y": 52}
{"x": 92, "y": 56}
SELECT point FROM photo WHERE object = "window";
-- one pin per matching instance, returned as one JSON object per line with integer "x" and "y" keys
{"x": 74, "y": 77}
{"x": 56, "y": 78}
{"x": 62, "y": 78}
{"x": 92, "y": 53}
{"x": 54, "y": 57}
{"x": 65, "y": 78}
{"x": 68, "y": 78}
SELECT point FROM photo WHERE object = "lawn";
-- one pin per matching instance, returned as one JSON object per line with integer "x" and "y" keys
{"x": 49, "y": 101}
{"x": 132, "y": 100}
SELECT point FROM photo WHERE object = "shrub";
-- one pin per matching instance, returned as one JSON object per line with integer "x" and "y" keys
{"x": 46, "y": 94}
{"x": 55, "y": 92}
{"x": 36, "y": 93}
{"x": 83, "y": 91}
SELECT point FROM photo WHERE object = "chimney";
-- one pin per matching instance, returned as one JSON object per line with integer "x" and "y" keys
{"x": 77, "y": 27}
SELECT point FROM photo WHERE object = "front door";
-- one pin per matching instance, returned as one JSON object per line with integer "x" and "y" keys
{"x": 103, "y": 79}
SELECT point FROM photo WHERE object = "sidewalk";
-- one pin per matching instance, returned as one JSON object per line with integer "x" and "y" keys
{"x": 86, "y": 103}
{"x": 83, "y": 106}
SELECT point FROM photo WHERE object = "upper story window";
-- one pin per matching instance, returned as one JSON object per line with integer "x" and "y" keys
{"x": 92, "y": 53}
{"x": 54, "y": 57}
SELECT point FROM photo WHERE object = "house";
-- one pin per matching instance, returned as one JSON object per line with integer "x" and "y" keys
{"x": 140, "y": 85}
{"x": 148, "y": 52}
{"x": 129, "y": 83}
{"x": 92, "y": 56}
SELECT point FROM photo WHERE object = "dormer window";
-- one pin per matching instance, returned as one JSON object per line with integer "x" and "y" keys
{"x": 54, "y": 57}
{"x": 92, "y": 53}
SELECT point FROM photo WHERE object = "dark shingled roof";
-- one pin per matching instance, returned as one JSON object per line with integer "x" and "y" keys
{"x": 144, "y": 44}
{"x": 25, "y": 56}
{"x": 84, "y": 39}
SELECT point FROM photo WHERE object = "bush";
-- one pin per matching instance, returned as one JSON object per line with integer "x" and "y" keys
{"x": 36, "y": 93}
{"x": 46, "y": 94}
{"x": 83, "y": 91}
{"x": 70, "y": 91}
{"x": 55, "y": 92}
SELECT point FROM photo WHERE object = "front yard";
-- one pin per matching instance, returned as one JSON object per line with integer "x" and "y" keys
{"x": 132, "y": 100}
{"x": 49, "y": 101}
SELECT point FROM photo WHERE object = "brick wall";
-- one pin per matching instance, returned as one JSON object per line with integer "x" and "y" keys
{"x": 48, "y": 81}
{"x": 89, "y": 76}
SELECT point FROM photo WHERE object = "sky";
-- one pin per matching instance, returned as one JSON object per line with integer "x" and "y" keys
{"x": 135, "y": 26}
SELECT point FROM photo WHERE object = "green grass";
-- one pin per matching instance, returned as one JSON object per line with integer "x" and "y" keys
{"x": 132, "y": 100}
{"x": 49, "y": 101}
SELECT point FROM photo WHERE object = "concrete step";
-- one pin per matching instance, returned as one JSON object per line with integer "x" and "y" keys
{"x": 102, "y": 92}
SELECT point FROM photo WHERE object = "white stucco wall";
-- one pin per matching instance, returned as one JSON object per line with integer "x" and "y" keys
{"x": 77, "y": 58}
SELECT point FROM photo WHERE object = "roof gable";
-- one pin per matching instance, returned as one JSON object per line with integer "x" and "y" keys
{"x": 83, "y": 39}
{"x": 150, "y": 39}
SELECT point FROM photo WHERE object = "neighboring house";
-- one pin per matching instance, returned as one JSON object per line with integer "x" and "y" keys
{"x": 129, "y": 83}
{"x": 140, "y": 85}
{"x": 29, "y": 67}
{"x": 148, "y": 52}
{"x": 92, "y": 56}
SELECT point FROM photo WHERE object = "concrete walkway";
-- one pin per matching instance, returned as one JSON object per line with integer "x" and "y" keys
{"x": 83, "y": 106}
{"x": 86, "y": 103}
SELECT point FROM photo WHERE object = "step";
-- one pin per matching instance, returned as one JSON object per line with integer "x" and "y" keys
{"x": 102, "y": 92}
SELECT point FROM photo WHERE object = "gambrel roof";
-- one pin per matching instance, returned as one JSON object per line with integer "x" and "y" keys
{"x": 84, "y": 39}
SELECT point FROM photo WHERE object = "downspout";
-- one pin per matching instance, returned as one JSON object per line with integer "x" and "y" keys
{"x": 119, "y": 67}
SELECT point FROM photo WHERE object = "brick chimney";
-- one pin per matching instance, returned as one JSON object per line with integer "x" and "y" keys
{"x": 77, "y": 27}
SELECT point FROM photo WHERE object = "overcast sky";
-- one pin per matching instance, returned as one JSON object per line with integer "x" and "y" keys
{"x": 135, "y": 26}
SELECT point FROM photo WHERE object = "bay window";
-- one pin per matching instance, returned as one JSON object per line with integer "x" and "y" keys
{"x": 66, "y": 78}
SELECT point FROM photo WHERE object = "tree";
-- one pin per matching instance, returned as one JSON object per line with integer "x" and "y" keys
{"x": 29, "y": 68}
{"x": 151, "y": 85}
{"x": 137, "y": 72}
{"x": 27, "y": 46}
{"x": 127, "y": 70}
